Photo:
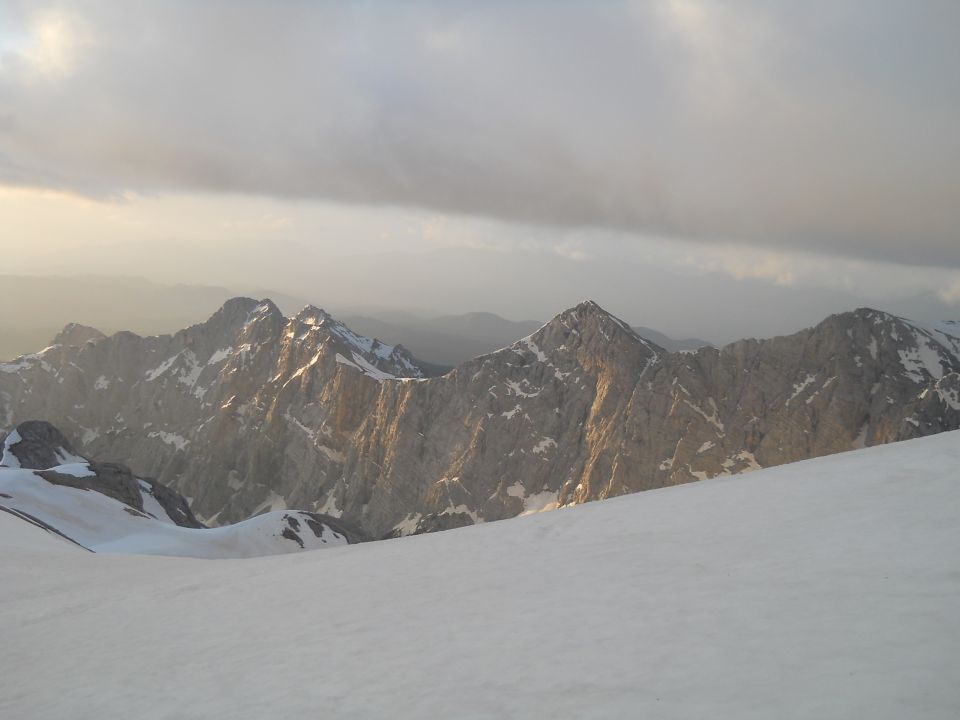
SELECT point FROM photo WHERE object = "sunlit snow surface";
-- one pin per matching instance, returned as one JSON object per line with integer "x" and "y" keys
{"x": 825, "y": 589}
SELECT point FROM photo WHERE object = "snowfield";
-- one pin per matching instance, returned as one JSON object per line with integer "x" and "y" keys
{"x": 825, "y": 589}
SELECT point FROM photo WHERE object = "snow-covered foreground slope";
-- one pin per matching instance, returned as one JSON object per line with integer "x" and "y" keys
{"x": 102, "y": 524}
{"x": 823, "y": 589}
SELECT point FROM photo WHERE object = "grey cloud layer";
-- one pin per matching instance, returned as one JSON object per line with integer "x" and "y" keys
{"x": 828, "y": 126}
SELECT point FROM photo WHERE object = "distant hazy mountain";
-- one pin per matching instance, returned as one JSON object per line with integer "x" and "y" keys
{"x": 448, "y": 340}
{"x": 107, "y": 303}
{"x": 251, "y": 411}
{"x": 453, "y": 339}
{"x": 668, "y": 343}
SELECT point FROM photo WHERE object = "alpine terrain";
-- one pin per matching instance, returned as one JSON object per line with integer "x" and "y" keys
{"x": 251, "y": 411}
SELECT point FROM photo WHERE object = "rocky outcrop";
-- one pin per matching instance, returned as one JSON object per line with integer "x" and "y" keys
{"x": 173, "y": 503}
{"x": 110, "y": 479}
{"x": 118, "y": 512}
{"x": 37, "y": 445}
{"x": 252, "y": 411}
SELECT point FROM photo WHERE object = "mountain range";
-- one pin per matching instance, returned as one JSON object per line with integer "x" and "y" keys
{"x": 252, "y": 411}
{"x": 131, "y": 303}
{"x": 449, "y": 340}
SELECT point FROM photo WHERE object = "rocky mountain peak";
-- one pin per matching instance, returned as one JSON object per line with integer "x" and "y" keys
{"x": 925, "y": 352}
{"x": 589, "y": 330}
{"x": 244, "y": 310}
{"x": 265, "y": 311}
{"x": 233, "y": 318}
{"x": 312, "y": 315}
{"x": 76, "y": 335}
{"x": 263, "y": 324}
{"x": 238, "y": 308}
{"x": 586, "y": 311}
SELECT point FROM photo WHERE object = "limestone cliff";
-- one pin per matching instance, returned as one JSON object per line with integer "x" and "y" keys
{"x": 252, "y": 411}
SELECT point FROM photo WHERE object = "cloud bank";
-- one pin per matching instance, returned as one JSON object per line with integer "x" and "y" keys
{"x": 821, "y": 126}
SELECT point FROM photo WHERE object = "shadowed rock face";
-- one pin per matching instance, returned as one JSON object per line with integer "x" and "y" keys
{"x": 40, "y": 445}
{"x": 252, "y": 410}
{"x": 318, "y": 524}
{"x": 110, "y": 479}
{"x": 297, "y": 523}
{"x": 173, "y": 503}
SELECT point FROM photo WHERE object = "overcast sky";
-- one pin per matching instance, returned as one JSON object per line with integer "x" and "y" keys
{"x": 762, "y": 144}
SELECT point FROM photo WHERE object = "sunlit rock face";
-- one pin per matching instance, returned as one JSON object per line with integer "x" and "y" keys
{"x": 251, "y": 411}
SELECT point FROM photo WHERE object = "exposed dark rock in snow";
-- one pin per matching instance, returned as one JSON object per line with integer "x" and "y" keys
{"x": 39, "y": 445}
{"x": 98, "y": 518}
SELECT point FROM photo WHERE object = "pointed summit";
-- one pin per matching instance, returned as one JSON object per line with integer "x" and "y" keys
{"x": 585, "y": 335}
{"x": 584, "y": 311}
{"x": 238, "y": 317}
{"x": 589, "y": 311}
{"x": 595, "y": 325}
{"x": 312, "y": 315}
{"x": 238, "y": 306}
{"x": 76, "y": 335}
{"x": 266, "y": 307}
{"x": 589, "y": 306}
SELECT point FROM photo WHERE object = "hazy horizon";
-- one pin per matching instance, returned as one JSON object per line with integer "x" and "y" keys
{"x": 114, "y": 303}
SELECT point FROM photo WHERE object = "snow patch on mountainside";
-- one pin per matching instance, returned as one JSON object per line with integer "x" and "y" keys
{"x": 156, "y": 372}
{"x": 801, "y": 386}
{"x": 359, "y": 363}
{"x": 169, "y": 438}
{"x": 219, "y": 356}
{"x": 936, "y": 343}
